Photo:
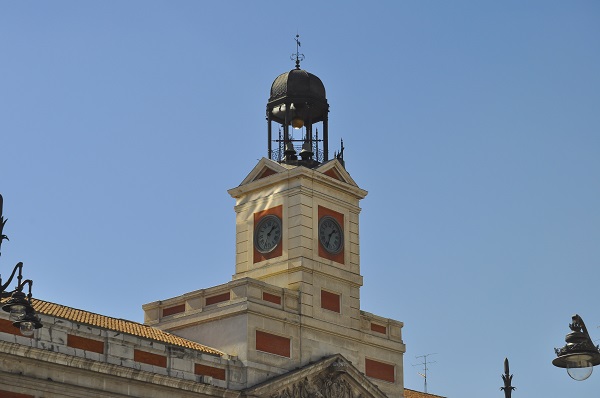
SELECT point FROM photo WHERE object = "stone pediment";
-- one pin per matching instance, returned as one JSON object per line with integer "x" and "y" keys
{"x": 334, "y": 169}
{"x": 264, "y": 168}
{"x": 331, "y": 377}
{"x": 267, "y": 167}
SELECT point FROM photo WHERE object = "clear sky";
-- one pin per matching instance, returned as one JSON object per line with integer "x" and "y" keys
{"x": 474, "y": 125}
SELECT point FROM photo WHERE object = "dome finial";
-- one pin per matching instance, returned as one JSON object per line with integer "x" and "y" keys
{"x": 298, "y": 57}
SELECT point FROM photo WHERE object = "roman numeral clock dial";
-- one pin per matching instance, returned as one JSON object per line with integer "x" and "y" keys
{"x": 331, "y": 235}
{"x": 267, "y": 234}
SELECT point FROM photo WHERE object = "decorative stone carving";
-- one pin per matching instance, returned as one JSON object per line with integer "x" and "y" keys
{"x": 329, "y": 385}
{"x": 332, "y": 377}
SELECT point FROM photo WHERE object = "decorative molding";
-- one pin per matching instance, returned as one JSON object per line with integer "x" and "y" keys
{"x": 44, "y": 359}
{"x": 333, "y": 377}
{"x": 322, "y": 386}
{"x": 249, "y": 184}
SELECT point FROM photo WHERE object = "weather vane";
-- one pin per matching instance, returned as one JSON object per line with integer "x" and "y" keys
{"x": 297, "y": 56}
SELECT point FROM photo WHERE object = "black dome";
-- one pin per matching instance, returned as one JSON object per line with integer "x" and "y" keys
{"x": 297, "y": 83}
{"x": 297, "y": 100}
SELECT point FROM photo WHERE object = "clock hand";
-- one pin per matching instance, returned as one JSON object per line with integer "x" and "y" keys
{"x": 329, "y": 237}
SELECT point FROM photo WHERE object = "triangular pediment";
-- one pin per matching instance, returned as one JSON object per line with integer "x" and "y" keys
{"x": 334, "y": 169}
{"x": 264, "y": 168}
{"x": 268, "y": 172}
{"x": 330, "y": 377}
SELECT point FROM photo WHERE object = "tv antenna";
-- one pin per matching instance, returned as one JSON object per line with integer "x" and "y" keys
{"x": 424, "y": 368}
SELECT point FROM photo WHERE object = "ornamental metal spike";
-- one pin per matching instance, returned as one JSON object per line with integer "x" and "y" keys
{"x": 297, "y": 56}
{"x": 507, "y": 377}
{"x": 2, "y": 222}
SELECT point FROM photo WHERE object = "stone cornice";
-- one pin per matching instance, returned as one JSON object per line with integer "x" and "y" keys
{"x": 297, "y": 172}
{"x": 296, "y": 189}
{"x": 51, "y": 358}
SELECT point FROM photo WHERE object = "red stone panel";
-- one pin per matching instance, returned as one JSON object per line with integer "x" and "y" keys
{"x": 6, "y": 326}
{"x": 215, "y": 373}
{"x": 265, "y": 173}
{"x": 378, "y": 328}
{"x": 272, "y": 344}
{"x": 339, "y": 217}
{"x": 150, "y": 358}
{"x": 85, "y": 343}
{"x": 379, "y": 370}
{"x": 271, "y": 298}
{"x": 330, "y": 301}
{"x": 334, "y": 174}
{"x": 218, "y": 298}
{"x": 176, "y": 309}
{"x": 278, "y": 251}
{"x": 8, "y": 394}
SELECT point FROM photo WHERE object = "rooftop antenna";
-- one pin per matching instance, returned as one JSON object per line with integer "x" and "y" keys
{"x": 297, "y": 56}
{"x": 425, "y": 368}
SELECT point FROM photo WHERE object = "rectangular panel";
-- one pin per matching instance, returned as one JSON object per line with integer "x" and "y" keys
{"x": 330, "y": 301}
{"x": 272, "y": 344}
{"x": 176, "y": 309}
{"x": 379, "y": 370}
{"x": 378, "y": 328}
{"x": 271, "y": 298}
{"x": 339, "y": 217}
{"x": 84, "y": 343}
{"x": 150, "y": 358}
{"x": 218, "y": 298}
{"x": 278, "y": 250}
{"x": 215, "y": 373}
{"x": 9, "y": 394}
{"x": 7, "y": 327}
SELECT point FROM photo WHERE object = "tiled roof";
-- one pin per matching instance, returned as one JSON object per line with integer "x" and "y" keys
{"x": 417, "y": 394}
{"x": 118, "y": 325}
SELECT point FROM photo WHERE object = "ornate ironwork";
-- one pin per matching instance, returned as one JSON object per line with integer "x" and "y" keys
{"x": 19, "y": 304}
{"x": 278, "y": 154}
{"x": 507, "y": 377}
{"x": 578, "y": 341}
{"x": 297, "y": 56}
{"x": 2, "y": 222}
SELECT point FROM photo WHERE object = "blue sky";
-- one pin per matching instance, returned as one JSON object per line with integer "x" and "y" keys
{"x": 474, "y": 125}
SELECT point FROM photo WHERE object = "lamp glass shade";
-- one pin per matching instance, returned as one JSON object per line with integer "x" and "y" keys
{"x": 580, "y": 374}
{"x": 27, "y": 328}
{"x": 17, "y": 311}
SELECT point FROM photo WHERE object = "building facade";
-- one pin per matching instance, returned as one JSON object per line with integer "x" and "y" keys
{"x": 288, "y": 324}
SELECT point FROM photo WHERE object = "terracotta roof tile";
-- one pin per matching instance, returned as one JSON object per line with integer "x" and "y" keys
{"x": 118, "y": 325}
{"x": 417, "y": 394}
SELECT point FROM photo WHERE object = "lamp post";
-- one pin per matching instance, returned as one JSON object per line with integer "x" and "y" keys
{"x": 19, "y": 305}
{"x": 579, "y": 355}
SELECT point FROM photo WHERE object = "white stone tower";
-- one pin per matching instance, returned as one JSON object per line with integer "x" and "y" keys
{"x": 295, "y": 295}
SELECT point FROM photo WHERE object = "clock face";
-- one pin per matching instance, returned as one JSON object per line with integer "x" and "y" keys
{"x": 331, "y": 235}
{"x": 267, "y": 234}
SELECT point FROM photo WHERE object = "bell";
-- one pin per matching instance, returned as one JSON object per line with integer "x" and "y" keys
{"x": 306, "y": 152}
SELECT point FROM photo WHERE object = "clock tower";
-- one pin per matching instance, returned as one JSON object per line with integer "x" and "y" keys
{"x": 294, "y": 297}
{"x": 297, "y": 212}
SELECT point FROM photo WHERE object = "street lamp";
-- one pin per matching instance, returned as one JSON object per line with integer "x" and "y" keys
{"x": 579, "y": 355}
{"x": 19, "y": 305}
